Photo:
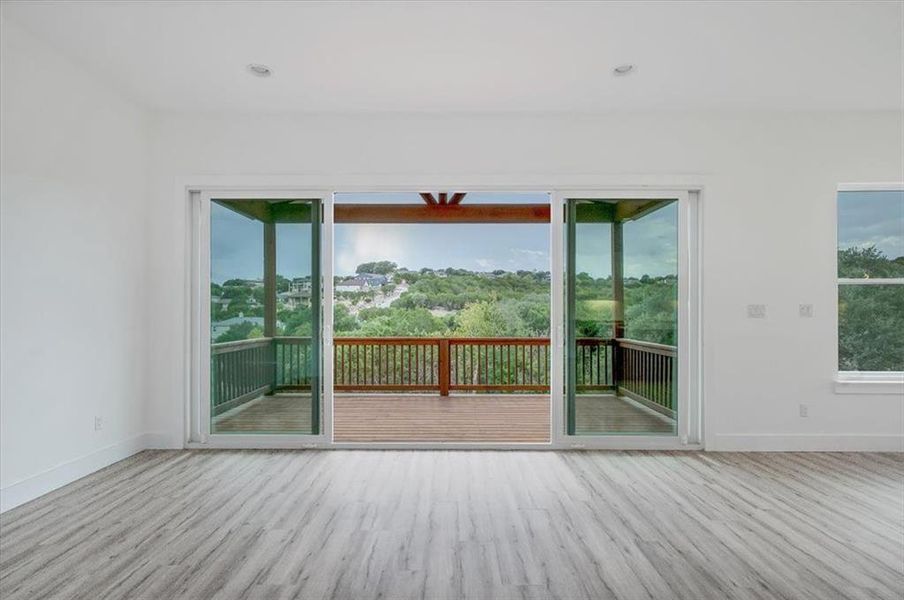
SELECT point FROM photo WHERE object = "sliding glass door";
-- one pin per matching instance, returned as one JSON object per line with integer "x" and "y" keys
{"x": 264, "y": 306}
{"x": 623, "y": 304}
{"x": 606, "y": 358}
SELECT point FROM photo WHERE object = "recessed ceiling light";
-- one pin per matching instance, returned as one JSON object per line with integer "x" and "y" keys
{"x": 259, "y": 70}
{"x": 623, "y": 69}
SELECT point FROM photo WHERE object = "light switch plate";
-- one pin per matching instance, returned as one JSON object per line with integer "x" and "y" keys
{"x": 756, "y": 311}
{"x": 806, "y": 310}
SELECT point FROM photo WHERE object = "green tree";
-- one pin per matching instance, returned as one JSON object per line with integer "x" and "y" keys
{"x": 245, "y": 330}
{"x": 857, "y": 263}
{"x": 490, "y": 319}
{"x": 380, "y": 267}
{"x": 416, "y": 322}
{"x": 871, "y": 328}
{"x": 343, "y": 320}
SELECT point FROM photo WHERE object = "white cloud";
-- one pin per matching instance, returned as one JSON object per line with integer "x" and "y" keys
{"x": 366, "y": 243}
{"x": 530, "y": 260}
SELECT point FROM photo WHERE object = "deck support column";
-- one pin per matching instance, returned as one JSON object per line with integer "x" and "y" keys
{"x": 270, "y": 298}
{"x": 618, "y": 297}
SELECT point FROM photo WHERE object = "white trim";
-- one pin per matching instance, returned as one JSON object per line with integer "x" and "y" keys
{"x": 870, "y": 281}
{"x": 694, "y": 349}
{"x": 190, "y": 337}
{"x": 862, "y": 382}
{"x": 573, "y": 184}
{"x": 870, "y": 382}
{"x": 865, "y": 376}
{"x": 614, "y": 442}
{"x": 807, "y": 442}
{"x": 530, "y": 182}
{"x": 199, "y": 320}
{"x": 326, "y": 316}
{"x": 556, "y": 317}
{"x": 27, "y": 489}
{"x": 871, "y": 187}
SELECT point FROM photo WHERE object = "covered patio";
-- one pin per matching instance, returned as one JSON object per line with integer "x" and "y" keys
{"x": 449, "y": 389}
{"x": 486, "y": 418}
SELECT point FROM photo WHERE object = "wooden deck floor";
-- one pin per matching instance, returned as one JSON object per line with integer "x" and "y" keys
{"x": 430, "y": 418}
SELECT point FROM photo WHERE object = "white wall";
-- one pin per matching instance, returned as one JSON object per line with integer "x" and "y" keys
{"x": 93, "y": 246}
{"x": 769, "y": 231}
{"x": 73, "y": 270}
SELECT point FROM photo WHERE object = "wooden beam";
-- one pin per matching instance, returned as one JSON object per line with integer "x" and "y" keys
{"x": 258, "y": 210}
{"x": 587, "y": 212}
{"x": 632, "y": 210}
{"x": 615, "y": 211}
{"x": 594, "y": 212}
{"x": 290, "y": 212}
{"x": 441, "y": 213}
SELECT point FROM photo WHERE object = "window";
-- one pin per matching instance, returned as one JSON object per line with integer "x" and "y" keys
{"x": 871, "y": 282}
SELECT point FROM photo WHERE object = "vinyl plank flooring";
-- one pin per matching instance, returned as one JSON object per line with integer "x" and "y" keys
{"x": 465, "y": 524}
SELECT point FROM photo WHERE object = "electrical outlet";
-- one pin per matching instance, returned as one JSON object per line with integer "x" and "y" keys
{"x": 756, "y": 311}
{"x": 806, "y": 310}
{"x": 98, "y": 423}
{"x": 804, "y": 410}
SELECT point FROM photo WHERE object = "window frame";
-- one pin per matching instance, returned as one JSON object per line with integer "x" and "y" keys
{"x": 863, "y": 382}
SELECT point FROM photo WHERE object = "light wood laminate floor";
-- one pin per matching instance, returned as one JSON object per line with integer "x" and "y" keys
{"x": 505, "y": 418}
{"x": 464, "y": 524}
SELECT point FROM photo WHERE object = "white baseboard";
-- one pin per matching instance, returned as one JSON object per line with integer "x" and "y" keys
{"x": 806, "y": 442}
{"x": 37, "y": 485}
{"x": 162, "y": 441}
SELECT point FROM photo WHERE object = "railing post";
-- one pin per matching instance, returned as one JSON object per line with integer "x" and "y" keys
{"x": 272, "y": 370}
{"x": 445, "y": 368}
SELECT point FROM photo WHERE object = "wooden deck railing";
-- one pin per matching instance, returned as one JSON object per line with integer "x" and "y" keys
{"x": 240, "y": 371}
{"x": 594, "y": 362}
{"x": 443, "y": 365}
{"x": 294, "y": 362}
{"x": 647, "y": 372}
{"x": 243, "y": 370}
{"x": 386, "y": 364}
{"x": 498, "y": 364}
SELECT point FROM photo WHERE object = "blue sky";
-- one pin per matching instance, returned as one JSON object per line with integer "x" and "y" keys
{"x": 872, "y": 219}
{"x": 237, "y": 243}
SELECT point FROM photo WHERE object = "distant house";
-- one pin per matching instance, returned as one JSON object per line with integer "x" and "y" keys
{"x": 374, "y": 279}
{"x": 355, "y": 284}
{"x": 299, "y": 294}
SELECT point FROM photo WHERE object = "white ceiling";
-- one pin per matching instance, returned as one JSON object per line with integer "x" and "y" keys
{"x": 489, "y": 56}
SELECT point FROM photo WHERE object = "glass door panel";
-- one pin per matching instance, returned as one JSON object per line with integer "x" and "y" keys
{"x": 621, "y": 311}
{"x": 265, "y": 321}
